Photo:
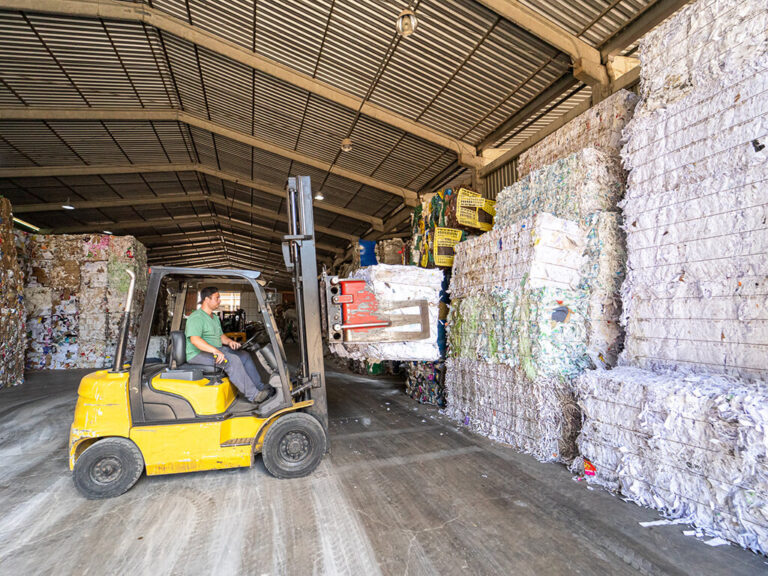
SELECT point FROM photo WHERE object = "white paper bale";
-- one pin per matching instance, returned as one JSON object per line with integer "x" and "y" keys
{"x": 389, "y": 284}
{"x": 696, "y": 210}
{"x": 694, "y": 446}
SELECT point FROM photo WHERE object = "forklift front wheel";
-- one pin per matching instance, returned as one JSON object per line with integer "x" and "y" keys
{"x": 108, "y": 468}
{"x": 293, "y": 446}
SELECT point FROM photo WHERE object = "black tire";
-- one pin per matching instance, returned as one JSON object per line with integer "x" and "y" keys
{"x": 294, "y": 446}
{"x": 108, "y": 468}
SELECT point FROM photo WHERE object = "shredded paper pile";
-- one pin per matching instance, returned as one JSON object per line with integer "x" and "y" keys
{"x": 517, "y": 334}
{"x": 599, "y": 127}
{"x": 393, "y": 285}
{"x": 75, "y": 294}
{"x": 694, "y": 446}
{"x": 696, "y": 203}
{"x": 682, "y": 425}
{"x": 12, "y": 315}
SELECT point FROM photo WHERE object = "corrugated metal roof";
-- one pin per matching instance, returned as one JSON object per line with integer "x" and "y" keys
{"x": 463, "y": 74}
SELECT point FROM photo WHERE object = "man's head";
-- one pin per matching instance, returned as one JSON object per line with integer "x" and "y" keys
{"x": 210, "y": 297}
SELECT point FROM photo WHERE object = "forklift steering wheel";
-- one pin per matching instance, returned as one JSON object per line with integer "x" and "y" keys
{"x": 250, "y": 341}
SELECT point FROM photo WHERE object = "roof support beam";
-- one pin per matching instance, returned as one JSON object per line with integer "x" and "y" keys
{"x": 587, "y": 65}
{"x": 140, "y": 12}
{"x": 107, "y": 169}
{"x": 173, "y": 115}
{"x": 180, "y": 238}
{"x": 247, "y": 207}
{"x": 111, "y": 203}
{"x": 130, "y": 225}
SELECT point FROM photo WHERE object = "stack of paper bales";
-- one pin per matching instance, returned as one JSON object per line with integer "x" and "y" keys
{"x": 392, "y": 286}
{"x": 517, "y": 334}
{"x": 76, "y": 292}
{"x": 536, "y": 301}
{"x": 584, "y": 187}
{"x": 683, "y": 425}
{"x": 12, "y": 315}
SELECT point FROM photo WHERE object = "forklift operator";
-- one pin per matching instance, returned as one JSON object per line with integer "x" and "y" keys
{"x": 207, "y": 345}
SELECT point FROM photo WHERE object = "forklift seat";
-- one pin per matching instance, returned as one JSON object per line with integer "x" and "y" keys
{"x": 177, "y": 358}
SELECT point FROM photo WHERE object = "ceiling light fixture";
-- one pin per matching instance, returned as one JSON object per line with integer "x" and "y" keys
{"x": 407, "y": 22}
{"x": 67, "y": 205}
{"x": 21, "y": 222}
{"x": 346, "y": 145}
{"x": 319, "y": 195}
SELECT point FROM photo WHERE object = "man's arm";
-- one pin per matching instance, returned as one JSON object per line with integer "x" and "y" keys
{"x": 227, "y": 341}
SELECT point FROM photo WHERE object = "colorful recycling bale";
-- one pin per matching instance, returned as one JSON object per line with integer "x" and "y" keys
{"x": 12, "y": 308}
{"x": 75, "y": 291}
{"x": 426, "y": 382}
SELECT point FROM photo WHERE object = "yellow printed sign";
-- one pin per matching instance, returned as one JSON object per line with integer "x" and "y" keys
{"x": 445, "y": 240}
{"x": 474, "y": 211}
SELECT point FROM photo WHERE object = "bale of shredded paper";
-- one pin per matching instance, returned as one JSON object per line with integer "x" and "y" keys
{"x": 696, "y": 210}
{"x": 517, "y": 334}
{"x": 539, "y": 417}
{"x": 541, "y": 250}
{"x": 573, "y": 187}
{"x": 12, "y": 309}
{"x": 584, "y": 187}
{"x": 692, "y": 445}
{"x": 599, "y": 127}
{"x": 395, "y": 284}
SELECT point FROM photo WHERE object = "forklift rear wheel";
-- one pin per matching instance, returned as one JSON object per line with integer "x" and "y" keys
{"x": 293, "y": 446}
{"x": 108, "y": 468}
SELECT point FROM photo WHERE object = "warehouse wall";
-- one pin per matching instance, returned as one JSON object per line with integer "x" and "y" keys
{"x": 12, "y": 312}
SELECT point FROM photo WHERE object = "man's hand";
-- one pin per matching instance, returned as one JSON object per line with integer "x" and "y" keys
{"x": 234, "y": 345}
{"x": 219, "y": 357}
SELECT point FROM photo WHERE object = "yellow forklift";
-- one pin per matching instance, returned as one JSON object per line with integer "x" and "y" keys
{"x": 173, "y": 417}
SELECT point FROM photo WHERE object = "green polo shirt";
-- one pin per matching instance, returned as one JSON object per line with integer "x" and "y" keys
{"x": 207, "y": 327}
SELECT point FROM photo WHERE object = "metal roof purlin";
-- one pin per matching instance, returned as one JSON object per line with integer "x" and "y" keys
{"x": 587, "y": 64}
{"x": 173, "y": 115}
{"x": 105, "y": 169}
{"x": 115, "y": 10}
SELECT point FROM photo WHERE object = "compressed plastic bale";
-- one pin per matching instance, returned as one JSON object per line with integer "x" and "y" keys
{"x": 76, "y": 305}
{"x": 693, "y": 445}
{"x": 426, "y": 382}
{"x": 397, "y": 284}
{"x": 695, "y": 207}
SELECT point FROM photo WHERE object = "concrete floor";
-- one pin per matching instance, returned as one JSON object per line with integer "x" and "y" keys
{"x": 404, "y": 491}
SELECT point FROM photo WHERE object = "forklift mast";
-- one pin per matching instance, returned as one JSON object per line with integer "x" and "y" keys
{"x": 300, "y": 260}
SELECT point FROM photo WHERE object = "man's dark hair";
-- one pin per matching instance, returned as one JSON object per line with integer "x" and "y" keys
{"x": 207, "y": 292}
